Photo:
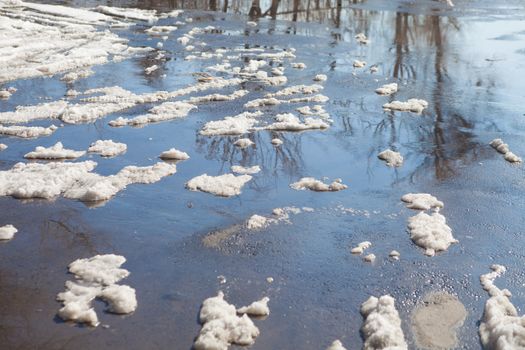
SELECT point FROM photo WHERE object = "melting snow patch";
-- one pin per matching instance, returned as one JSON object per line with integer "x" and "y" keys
{"x": 394, "y": 254}
{"x": 163, "y": 112}
{"x": 25, "y": 114}
{"x": 503, "y": 148}
{"x": 174, "y": 154}
{"x": 336, "y": 345}
{"x": 430, "y": 232}
{"x": 256, "y": 222}
{"x": 387, "y": 89}
{"x": 75, "y": 180}
{"x": 235, "y": 125}
{"x": 243, "y": 143}
{"x": 370, "y": 258}
{"x": 361, "y": 38}
{"x": 501, "y": 327}
{"x": 183, "y": 40}
{"x": 129, "y": 13}
{"x": 382, "y": 326}
{"x": 297, "y": 89}
{"x": 159, "y": 30}
{"x": 393, "y": 159}
{"x": 54, "y": 152}
{"x": 257, "y": 308}
{"x": 277, "y": 142}
{"x": 76, "y": 75}
{"x": 46, "y": 39}
{"x": 221, "y": 326}
{"x": 107, "y": 148}
{"x": 218, "y": 97}
{"x": 361, "y": 247}
{"x": 412, "y": 105}
{"x": 7, "y": 232}
{"x": 226, "y": 185}
{"x": 278, "y": 71}
{"x": 246, "y": 170}
{"x": 4, "y": 94}
{"x": 320, "y": 77}
{"x": 149, "y": 70}
{"x": 309, "y": 183}
{"x": 27, "y": 132}
{"x": 299, "y": 65}
{"x": 421, "y": 201}
{"x": 96, "y": 277}
{"x": 359, "y": 64}
{"x": 290, "y": 122}
{"x": 261, "y": 102}
{"x": 2, "y": 147}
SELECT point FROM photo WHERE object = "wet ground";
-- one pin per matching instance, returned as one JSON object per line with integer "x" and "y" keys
{"x": 468, "y": 63}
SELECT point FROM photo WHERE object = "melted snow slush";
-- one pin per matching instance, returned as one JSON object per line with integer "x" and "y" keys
{"x": 171, "y": 179}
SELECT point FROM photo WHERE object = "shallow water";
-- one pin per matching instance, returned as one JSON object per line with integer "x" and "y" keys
{"x": 467, "y": 63}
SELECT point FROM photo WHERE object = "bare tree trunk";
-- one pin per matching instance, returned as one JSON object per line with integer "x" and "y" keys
{"x": 273, "y": 9}
{"x": 255, "y": 10}
{"x": 213, "y": 5}
{"x": 225, "y": 6}
{"x": 295, "y": 10}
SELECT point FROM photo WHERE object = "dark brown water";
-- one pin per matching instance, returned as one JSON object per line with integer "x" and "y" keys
{"x": 468, "y": 62}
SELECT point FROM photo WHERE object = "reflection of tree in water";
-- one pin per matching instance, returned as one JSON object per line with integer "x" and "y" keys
{"x": 286, "y": 158}
{"x": 449, "y": 140}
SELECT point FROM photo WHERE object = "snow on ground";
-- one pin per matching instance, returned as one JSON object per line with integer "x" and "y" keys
{"x": 75, "y": 180}
{"x": 222, "y": 327}
{"x": 387, "y": 89}
{"x": 412, "y": 105}
{"x": 360, "y": 248}
{"x": 336, "y": 345}
{"x": 218, "y": 97}
{"x": 503, "y": 148}
{"x": 362, "y": 39}
{"x": 290, "y": 122}
{"x": 235, "y": 125}
{"x": 163, "y": 112}
{"x": 226, "y": 185}
{"x": 430, "y": 232}
{"x": 256, "y": 222}
{"x": 107, "y": 148}
{"x": 3, "y": 147}
{"x": 160, "y": 30}
{"x": 382, "y": 326}
{"x": 257, "y": 308}
{"x": 96, "y": 277}
{"x": 421, "y": 201}
{"x": 243, "y": 143}
{"x": 297, "y": 89}
{"x": 501, "y": 327}
{"x": 359, "y": 64}
{"x": 129, "y": 13}
{"x": 246, "y": 170}
{"x": 392, "y": 158}
{"x": 7, "y": 232}
{"x": 27, "y": 132}
{"x": 174, "y": 154}
{"x": 25, "y": 114}
{"x": 56, "y": 151}
{"x": 40, "y": 40}
{"x": 309, "y": 183}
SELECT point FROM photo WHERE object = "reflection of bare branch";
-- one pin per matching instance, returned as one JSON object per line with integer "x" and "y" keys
{"x": 286, "y": 158}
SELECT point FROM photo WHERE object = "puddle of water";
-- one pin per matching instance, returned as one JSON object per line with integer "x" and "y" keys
{"x": 464, "y": 63}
